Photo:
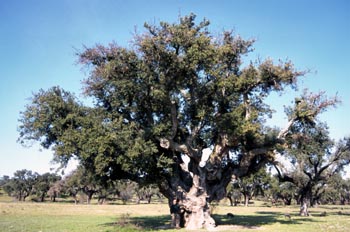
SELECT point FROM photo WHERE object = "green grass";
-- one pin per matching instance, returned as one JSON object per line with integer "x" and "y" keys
{"x": 274, "y": 219}
{"x": 19, "y": 216}
{"x": 61, "y": 217}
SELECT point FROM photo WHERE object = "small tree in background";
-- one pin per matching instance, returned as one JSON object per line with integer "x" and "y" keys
{"x": 252, "y": 185}
{"x": 285, "y": 191}
{"x": 5, "y": 184}
{"x": 21, "y": 185}
{"x": 71, "y": 186}
{"x": 56, "y": 189}
{"x": 82, "y": 181}
{"x": 313, "y": 157}
{"x": 146, "y": 192}
{"x": 336, "y": 191}
{"x": 126, "y": 190}
{"x": 43, "y": 183}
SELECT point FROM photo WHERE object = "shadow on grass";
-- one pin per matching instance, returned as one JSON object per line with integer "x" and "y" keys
{"x": 320, "y": 213}
{"x": 144, "y": 223}
{"x": 154, "y": 223}
{"x": 260, "y": 219}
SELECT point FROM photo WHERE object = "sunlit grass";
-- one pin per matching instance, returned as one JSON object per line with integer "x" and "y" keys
{"x": 323, "y": 218}
{"x": 61, "y": 217}
{"x": 19, "y": 216}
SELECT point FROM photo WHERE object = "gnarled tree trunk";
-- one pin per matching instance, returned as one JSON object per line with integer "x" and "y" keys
{"x": 202, "y": 177}
{"x": 246, "y": 199}
{"x": 195, "y": 187}
{"x": 305, "y": 201}
{"x": 304, "y": 208}
{"x": 196, "y": 206}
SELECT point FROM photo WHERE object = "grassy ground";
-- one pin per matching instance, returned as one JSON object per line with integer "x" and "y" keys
{"x": 61, "y": 217}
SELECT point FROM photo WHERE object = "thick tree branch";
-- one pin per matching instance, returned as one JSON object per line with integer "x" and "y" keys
{"x": 171, "y": 145}
{"x": 182, "y": 148}
{"x": 247, "y": 106}
{"x": 282, "y": 176}
{"x": 174, "y": 119}
{"x": 308, "y": 174}
{"x": 282, "y": 134}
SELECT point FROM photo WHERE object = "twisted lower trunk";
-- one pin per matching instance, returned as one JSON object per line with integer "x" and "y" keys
{"x": 305, "y": 203}
{"x": 196, "y": 213}
{"x": 197, "y": 179}
{"x": 246, "y": 200}
{"x": 305, "y": 200}
{"x": 193, "y": 200}
{"x": 304, "y": 208}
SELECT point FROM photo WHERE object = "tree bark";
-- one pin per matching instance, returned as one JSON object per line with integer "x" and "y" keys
{"x": 287, "y": 200}
{"x": 194, "y": 201}
{"x": 89, "y": 194}
{"x": 42, "y": 197}
{"x": 24, "y": 197}
{"x": 305, "y": 203}
{"x": 196, "y": 182}
{"x": 304, "y": 208}
{"x": 89, "y": 197}
{"x": 230, "y": 199}
{"x": 246, "y": 200}
{"x": 197, "y": 210}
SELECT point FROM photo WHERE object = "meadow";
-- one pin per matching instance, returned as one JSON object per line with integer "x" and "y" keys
{"x": 67, "y": 217}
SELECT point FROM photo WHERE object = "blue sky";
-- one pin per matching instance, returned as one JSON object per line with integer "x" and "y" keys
{"x": 39, "y": 39}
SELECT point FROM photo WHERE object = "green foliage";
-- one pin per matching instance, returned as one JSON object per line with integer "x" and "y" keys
{"x": 25, "y": 183}
{"x": 126, "y": 190}
{"x": 250, "y": 186}
{"x": 337, "y": 191}
{"x": 285, "y": 191}
{"x": 21, "y": 185}
{"x": 309, "y": 106}
{"x": 43, "y": 183}
{"x": 315, "y": 159}
{"x": 83, "y": 181}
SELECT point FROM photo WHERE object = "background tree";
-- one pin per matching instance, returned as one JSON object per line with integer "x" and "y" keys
{"x": 106, "y": 190}
{"x": 336, "y": 191}
{"x": 177, "y": 109}
{"x": 286, "y": 191}
{"x": 251, "y": 186}
{"x": 22, "y": 183}
{"x": 313, "y": 156}
{"x": 146, "y": 192}
{"x": 126, "y": 190}
{"x": 82, "y": 181}
{"x": 4, "y": 180}
{"x": 71, "y": 186}
{"x": 233, "y": 195}
{"x": 43, "y": 183}
{"x": 56, "y": 190}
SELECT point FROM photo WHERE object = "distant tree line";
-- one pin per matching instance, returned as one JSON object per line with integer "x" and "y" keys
{"x": 80, "y": 186}
{"x": 267, "y": 187}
